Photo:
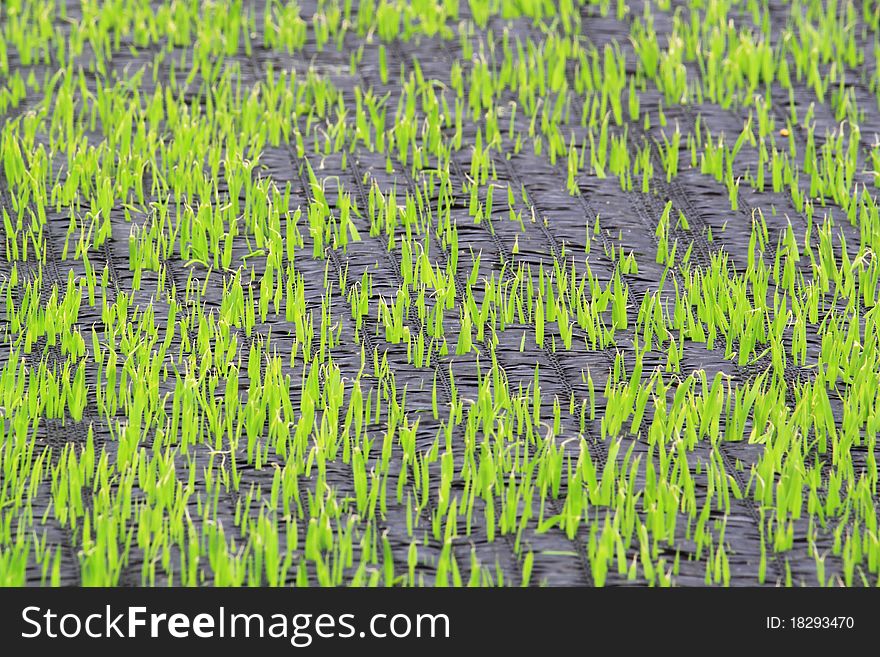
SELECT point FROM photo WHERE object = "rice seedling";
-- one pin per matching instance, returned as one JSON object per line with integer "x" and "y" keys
{"x": 300, "y": 296}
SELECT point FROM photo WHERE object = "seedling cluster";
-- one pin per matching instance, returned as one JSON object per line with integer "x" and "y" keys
{"x": 439, "y": 293}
